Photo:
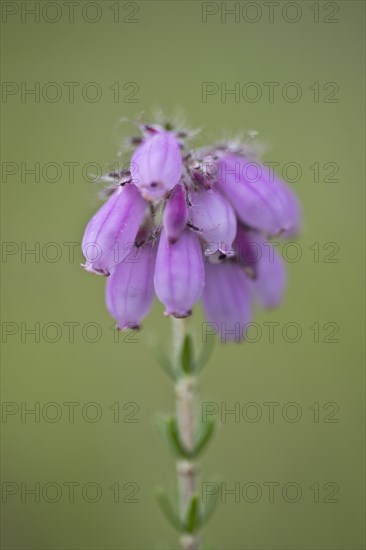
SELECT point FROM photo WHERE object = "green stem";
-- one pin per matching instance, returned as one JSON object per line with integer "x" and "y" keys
{"x": 186, "y": 401}
{"x": 180, "y": 328}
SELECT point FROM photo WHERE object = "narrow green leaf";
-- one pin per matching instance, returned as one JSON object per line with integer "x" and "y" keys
{"x": 206, "y": 352}
{"x": 186, "y": 355}
{"x": 192, "y": 520}
{"x": 206, "y": 432}
{"x": 168, "y": 427}
{"x": 165, "y": 363}
{"x": 168, "y": 509}
{"x": 160, "y": 422}
{"x": 174, "y": 438}
{"x": 209, "y": 507}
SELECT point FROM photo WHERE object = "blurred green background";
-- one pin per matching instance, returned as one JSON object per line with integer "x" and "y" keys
{"x": 168, "y": 51}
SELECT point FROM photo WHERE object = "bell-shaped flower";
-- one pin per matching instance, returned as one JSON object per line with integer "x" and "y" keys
{"x": 227, "y": 300}
{"x": 258, "y": 198}
{"x": 156, "y": 165}
{"x": 179, "y": 273}
{"x": 112, "y": 230}
{"x": 293, "y": 209}
{"x": 271, "y": 275}
{"x": 175, "y": 215}
{"x": 214, "y": 218}
{"x": 247, "y": 251}
{"x": 130, "y": 287}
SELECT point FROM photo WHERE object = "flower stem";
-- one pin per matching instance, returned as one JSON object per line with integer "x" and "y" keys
{"x": 186, "y": 401}
{"x": 180, "y": 328}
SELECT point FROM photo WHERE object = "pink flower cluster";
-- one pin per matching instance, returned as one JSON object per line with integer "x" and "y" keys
{"x": 189, "y": 225}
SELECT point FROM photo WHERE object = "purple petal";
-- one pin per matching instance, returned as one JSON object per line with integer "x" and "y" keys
{"x": 175, "y": 215}
{"x": 179, "y": 273}
{"x": 112, "y": 230}
{"x": 156, "y": 165}
{"x": 257, "y": 197}
{"x": 271, "y": 274}
{"x": 294, "y": 211}
{"x": 130, "y": 287}
{"x": 247, "y": 251}
{"x": 215, "y": 219}
{"x": 227, "y": 300}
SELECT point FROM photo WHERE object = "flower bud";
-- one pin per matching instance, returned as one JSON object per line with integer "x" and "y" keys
{"x": 175, "y": 215}
{"x": 113, "y": 229}
{"x": 179, "y": 273}
{"x": 156, "y": 165}
{"x": 215, "y": 220}
{"x": 260, "y": 200}
{"x": 130, "y": 287}
{"x": 227, "y": 300}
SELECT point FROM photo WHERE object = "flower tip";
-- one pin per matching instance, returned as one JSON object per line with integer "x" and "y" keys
{"x": 153, "y": 192}
{"x": 91, "y": 269}
{"x": 128, "y": 326}
{"x": 289, "y": 231}
{"x": 210, "y": 250}
{"x": 250, "y": 272}
{"x": 228, "y": 253}
{"x": 178, "y": 314}
{"x": 272, "y": 305}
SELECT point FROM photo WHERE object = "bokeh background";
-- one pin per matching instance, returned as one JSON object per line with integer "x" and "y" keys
{"x": 167, "y": 51}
